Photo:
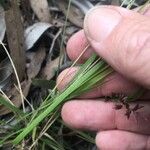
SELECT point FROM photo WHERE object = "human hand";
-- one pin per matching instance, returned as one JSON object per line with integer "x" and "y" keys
{"x": 122, "y": 38}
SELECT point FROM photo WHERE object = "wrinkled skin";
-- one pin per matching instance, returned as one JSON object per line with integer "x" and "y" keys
{"x": 122, "y": 38}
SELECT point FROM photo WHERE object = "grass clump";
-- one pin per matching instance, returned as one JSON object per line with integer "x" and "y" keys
{"x": 35, "y": 127}
{"x": 93, "y": 72}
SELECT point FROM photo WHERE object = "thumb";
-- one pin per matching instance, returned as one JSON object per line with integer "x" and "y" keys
{"x": 122, "y": 38}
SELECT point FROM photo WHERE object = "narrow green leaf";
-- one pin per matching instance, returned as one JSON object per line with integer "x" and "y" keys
{"x": 10, "y": 106}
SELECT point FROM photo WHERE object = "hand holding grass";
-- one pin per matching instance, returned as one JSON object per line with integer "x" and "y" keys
{"x": 122, "y": 38}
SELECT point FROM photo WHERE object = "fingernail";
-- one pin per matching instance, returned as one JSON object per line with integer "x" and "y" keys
{"x": 100, "y": 21}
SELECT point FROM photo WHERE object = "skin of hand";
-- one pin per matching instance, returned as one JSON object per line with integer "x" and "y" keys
{"x": 122, "y": 38}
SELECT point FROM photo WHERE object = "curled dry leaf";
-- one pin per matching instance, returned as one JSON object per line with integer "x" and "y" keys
{"x": 33, "y": 33}
{"x": 2, "y": 23}
{"x": 41, "y": 9}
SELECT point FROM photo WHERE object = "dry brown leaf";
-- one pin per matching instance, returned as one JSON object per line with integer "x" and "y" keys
{"x": 15, "y": 37}
{"x": 49, "y": 71}
{"x": 35, "y": 61}
{"x": 75, "y": 15}
{"x": 41, "y": 9}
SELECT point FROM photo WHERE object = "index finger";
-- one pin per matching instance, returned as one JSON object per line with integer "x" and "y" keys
{"x": 76, "y": 45}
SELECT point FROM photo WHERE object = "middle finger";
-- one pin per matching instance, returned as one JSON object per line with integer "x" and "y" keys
{"x": 99, "y": 115}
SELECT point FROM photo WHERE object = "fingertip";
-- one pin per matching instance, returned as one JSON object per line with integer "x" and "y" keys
{"x": 70, "y": 116}
{"x": 100, "y": 21}
{"x": 108, "y": 139}
{"x": 88, "y": 114}
{"x": 76, "y": 44}
{"x": 117, "y": 139}
{"x": 101, "y": 139}
{"x": 65, "y": 111}
{"x": 65, "y": 77}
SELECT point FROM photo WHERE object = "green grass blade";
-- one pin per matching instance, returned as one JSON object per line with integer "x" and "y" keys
{"x": 94, "y": 82}
{"x": 10, "y": 106}
{"x": 7, "y": 137}
{"x": 86, "y": 137}
{"x": 52, "y": 144}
